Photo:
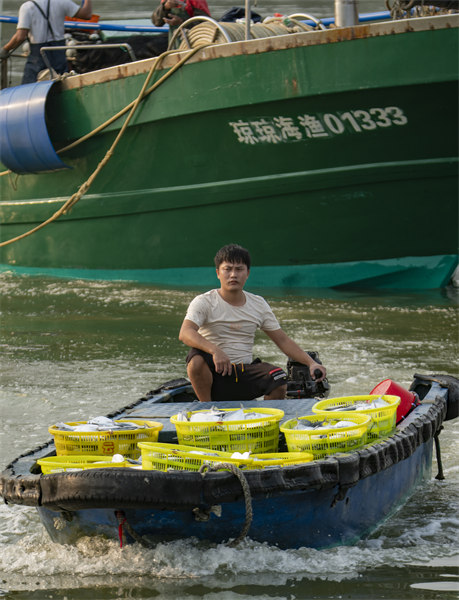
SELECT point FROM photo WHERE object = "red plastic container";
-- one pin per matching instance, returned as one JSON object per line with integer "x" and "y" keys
{"x": 408, "y": 400}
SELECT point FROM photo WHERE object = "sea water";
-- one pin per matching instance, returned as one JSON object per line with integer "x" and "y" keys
{"x": 72, "y": 349}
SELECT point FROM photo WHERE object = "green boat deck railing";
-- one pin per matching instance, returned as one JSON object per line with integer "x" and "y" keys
{"x": 122, "y": 45}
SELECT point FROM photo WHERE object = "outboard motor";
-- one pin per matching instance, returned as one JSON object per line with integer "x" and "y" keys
{"x": 300, "y": 384}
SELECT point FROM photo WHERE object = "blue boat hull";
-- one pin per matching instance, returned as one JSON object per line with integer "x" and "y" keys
{"x": 323, "y": 503}
{"x": 291, "y": 519}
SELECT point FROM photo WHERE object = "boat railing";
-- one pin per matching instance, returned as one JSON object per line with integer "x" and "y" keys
{"x": 46, "y": 49}
{"x": 303, "y": 17}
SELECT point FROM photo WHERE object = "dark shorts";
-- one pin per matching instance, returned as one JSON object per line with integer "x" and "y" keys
{"x": 246, "y": 382}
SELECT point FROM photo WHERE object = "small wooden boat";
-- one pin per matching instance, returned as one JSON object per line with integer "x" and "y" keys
{"x": 335, "y": 500}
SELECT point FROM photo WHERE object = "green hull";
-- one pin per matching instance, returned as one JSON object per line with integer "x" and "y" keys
{"x": 329, "y": 155}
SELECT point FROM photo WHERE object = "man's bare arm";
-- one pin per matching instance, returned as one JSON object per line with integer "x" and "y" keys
{"x": 190, "y": 336}
{"x": 292, "y": 350}
{"x": 85, "y": 11}
{"x": 17, "y": 39}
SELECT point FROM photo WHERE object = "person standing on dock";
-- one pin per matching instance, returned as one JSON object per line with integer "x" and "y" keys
{"x": 175, "y": 12}
{"x": 220, "y": 327}
{"x": 42, "y": 22}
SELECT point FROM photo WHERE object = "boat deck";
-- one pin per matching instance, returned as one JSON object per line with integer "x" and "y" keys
{"x": 160, "y": 407}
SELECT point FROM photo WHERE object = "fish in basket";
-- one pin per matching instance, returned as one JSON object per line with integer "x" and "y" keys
{"x": 59, "y": 464}
{"x": 230, "y": 430}
{"x": 176, "y": 457}
{"x": 104, "y": 437}
{"x": 381, "y": 409}
{"x": 323, "y": 435}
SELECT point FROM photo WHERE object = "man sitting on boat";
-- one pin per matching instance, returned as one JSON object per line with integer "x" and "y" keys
{"x": 220, "y": 327}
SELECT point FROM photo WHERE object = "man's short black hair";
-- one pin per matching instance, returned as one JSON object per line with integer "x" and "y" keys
{"x": 232, "y": 253}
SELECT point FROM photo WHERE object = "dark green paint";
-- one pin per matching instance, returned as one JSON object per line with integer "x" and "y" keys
{"x": 180, "y": 185}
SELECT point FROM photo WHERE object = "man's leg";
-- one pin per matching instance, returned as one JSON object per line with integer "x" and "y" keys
{"x": 277, "y": 393}
{"x": 34, "y": 64}
{"x": 200, "y": 377}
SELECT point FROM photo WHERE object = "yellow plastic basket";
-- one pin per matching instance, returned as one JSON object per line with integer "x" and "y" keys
{"x": 105, "y": 443}
{"x": 323, "y": 442}
{"x": 165, "y": 457}
{"x": 382, "y": 419}
{"x": 258, "y": 435}
{"x": 176, "y": 457}
{"x": 59, "y": 464}
{"x": 279, "y": 459}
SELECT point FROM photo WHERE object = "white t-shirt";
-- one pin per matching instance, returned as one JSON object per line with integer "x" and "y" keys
{"x": 232, "y": 328}
{"x": 31, "y": 18}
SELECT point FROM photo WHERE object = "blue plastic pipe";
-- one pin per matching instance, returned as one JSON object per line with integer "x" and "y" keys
{"x": 25, "y": 146}
{"x": 364, "y": 18}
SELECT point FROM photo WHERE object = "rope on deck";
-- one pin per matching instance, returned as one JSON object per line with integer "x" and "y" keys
{"x": 214, "y": 32}
{"x": 132, "y": 107}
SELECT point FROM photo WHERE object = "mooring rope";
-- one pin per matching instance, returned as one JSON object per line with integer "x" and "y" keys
{"x": 123, "y": 524}
{"x": 123, "y": 111}
{"x": 197, "y": 38}
{"x": 246, "y": 490}
{"x": 144, "y": 92}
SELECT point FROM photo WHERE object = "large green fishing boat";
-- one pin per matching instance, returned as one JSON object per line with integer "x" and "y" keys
{"x": 330, "y": 152}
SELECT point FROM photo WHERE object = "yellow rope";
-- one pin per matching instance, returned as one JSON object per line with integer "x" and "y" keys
{"x": 87, "y": 184}
{"x": 161, "y": 80}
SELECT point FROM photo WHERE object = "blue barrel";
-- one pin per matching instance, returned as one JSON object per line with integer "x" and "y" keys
{"x": 25, "y": 146}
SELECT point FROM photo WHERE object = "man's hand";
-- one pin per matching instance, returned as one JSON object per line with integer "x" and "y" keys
{"x": 4, "y": 54}
{"x": 173, "y": 20}
{"x": 314, "y": 367}
{"x": 222, "y": 362}
{"x": 190, "y": 336}
{"x": 292, "y": 350}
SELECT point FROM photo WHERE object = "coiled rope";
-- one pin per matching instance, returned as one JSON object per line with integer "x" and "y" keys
{"x": 132, "y": 107}
{"x": 245, "y": 489}
{"x": 211, "y": 32}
